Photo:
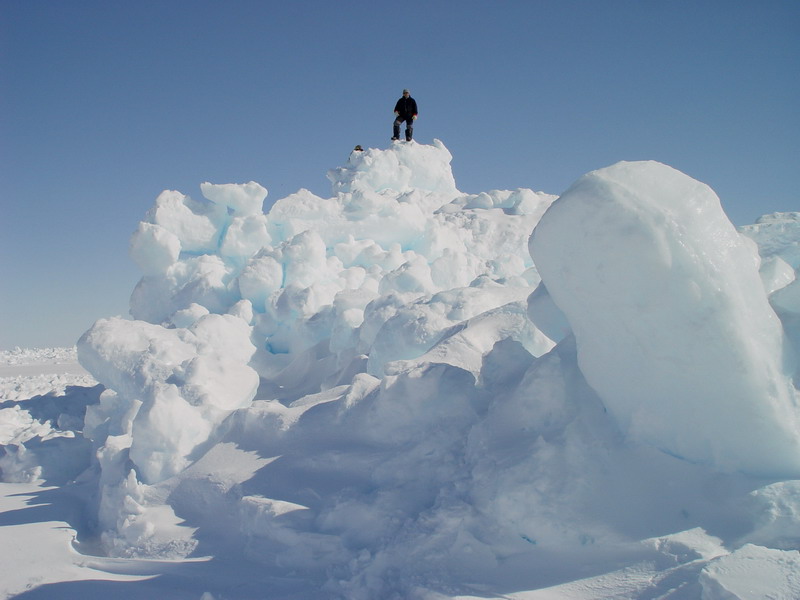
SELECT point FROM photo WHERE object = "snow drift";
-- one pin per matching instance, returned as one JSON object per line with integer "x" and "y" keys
{"x": 399, "y": 391}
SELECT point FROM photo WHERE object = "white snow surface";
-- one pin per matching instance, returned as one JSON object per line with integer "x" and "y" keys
{"x": 405, "y": 391}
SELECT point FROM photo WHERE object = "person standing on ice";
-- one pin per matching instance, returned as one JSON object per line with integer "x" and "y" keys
{"x": 405, "y": 110}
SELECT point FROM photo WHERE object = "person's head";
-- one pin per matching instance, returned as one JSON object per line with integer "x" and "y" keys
{"x": 406, "y": 93}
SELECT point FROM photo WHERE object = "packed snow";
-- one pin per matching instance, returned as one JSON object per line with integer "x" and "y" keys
{"x": 405, "y": 391}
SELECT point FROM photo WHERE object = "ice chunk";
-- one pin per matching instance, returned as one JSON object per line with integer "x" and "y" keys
{"x": 203, "y": 280}
{"x": 245, "y": 236}
{"x": 776, "y": 509}
{"x": 777, "y": 234}
{"x": 776, "y": 274}
{"x": 752, "y": 572}
{"x": 544, "y": 313}
{"x": 241, "y": 199}
{"x": 186, "y": 317}
{"x": 262, "y": 276}
{"x": 195, "y": 223}
{"x": 673, "y": 327}
{"x": 176, "y": 385}
{"x": 154, "y": 248}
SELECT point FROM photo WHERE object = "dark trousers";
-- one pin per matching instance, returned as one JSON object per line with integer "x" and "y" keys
{"x": 409, "y": 127}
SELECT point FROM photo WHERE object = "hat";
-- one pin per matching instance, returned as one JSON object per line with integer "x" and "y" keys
{"x": 406, "y": 92}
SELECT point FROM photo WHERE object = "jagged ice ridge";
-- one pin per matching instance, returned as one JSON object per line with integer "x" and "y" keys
{"x": 404, "y": 389}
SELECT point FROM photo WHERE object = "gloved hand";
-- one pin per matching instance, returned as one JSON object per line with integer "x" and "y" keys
{"x": 414, "y": 117}
{"x": 396, "y": 114}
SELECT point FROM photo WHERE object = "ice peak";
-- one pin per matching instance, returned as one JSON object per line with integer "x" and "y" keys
{"x": 402, "y": 167}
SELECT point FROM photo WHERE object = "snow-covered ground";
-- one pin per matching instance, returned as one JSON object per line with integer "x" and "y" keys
{"x": 404, "y": 391}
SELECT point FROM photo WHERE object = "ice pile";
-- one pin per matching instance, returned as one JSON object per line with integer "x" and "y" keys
{"x": 399, "y": 391}
{"x": 29, "y": 356}
{"x": 318, "y": 296}
{"x": 778, "y": 238}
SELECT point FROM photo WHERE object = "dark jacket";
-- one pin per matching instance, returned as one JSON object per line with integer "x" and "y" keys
{"x": 406, "y": 107}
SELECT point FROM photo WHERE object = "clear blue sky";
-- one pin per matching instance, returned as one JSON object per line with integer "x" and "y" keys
{"x": 103, "y": 104}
